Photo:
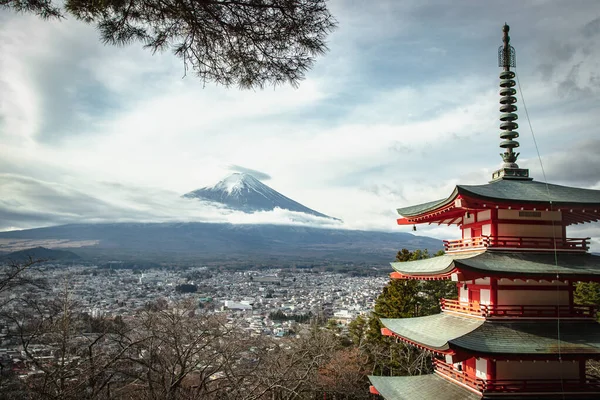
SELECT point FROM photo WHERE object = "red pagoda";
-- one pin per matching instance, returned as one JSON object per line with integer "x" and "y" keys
{"x": 515, "y": 330}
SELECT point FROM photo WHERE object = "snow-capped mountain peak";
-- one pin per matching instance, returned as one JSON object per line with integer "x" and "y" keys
{"x": 243, "y": 192}
{"x": 235, "y": 183}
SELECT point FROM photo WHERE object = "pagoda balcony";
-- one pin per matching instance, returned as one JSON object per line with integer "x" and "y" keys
{"x": 449, "y": 371}
{"x": 507, "y": 386}
{"x": 517, "y": 243}
{"x": 492, "y": 311}
{"x": 589, "y": 384}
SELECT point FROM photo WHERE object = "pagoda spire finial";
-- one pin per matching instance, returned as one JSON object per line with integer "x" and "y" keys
{"x": 506, "y": 60}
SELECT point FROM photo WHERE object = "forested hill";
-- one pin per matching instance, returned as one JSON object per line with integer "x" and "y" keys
{"x": 39, "y": 253}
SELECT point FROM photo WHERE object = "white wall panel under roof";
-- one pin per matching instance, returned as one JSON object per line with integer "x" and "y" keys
{"x": 484, "y": 296}
{"x": 481, "y": 368}
{"x": 486, "y": 230}
{"x": 536, "y": 370}
{"x": 517, "y": 214}
{"x": 533, "y": 297}
{"x": 484, "y": 215}
{"x": 517, "y": 230}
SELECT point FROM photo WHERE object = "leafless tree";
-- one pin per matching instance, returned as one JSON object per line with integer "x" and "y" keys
{"x": 64, "y": 359}
{"x": 174, "y": 352}
{"x": 17, "y": 274}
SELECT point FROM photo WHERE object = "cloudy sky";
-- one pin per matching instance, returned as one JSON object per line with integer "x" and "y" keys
{"x": 403, "y": 107}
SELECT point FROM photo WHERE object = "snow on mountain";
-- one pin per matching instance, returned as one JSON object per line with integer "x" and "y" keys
{"x": 235, "y": 184}
{"x": 243, "y": 192}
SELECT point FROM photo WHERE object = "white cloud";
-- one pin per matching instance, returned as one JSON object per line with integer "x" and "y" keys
{"x": 30, "y": 202}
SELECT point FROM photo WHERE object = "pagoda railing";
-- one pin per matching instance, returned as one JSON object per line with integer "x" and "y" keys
{"x": 461, "y": 376}
{"x": 520, "y": 310}
{"x": 588, "y": 384}
{"x": 461, "y": 307}
{"x": 512, "y": 242}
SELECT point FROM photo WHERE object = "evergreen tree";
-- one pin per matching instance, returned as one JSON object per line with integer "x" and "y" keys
{"x": 588, "y": 293}
{"x": 231, "y": 42}
{"x": 400, "y": 299}
{"x": 357, "y": 330}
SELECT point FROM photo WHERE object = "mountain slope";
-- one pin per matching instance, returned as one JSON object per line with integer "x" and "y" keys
{"x": 243, "y": 192}
{"x": 248, "y": 243}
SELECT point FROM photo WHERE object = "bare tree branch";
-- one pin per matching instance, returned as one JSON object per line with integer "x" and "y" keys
{"x": 247, "y": 43}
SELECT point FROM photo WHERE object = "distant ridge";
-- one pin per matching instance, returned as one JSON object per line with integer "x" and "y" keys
{"x": 39, "y": 253}
{"x": 243, "y": 192}
{"x": 218, "y": 241}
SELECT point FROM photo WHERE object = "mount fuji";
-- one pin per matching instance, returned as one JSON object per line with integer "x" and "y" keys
{"x": 243, "y": 192}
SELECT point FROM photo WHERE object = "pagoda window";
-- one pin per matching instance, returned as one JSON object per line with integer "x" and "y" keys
{"x": 484, "y": 215}
{"x": 466, "y": 233}
{"x": 481, "y": 370}
{"x": 485, "y": 296}
{"x": 486, "y": 230}
{"x": 463, "y": 294}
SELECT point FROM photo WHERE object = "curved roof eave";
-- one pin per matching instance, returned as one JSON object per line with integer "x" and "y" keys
{"x": 418, "y": 209}
{"x": 432, "y": 331}
{"x": 505, "y": 262}
{"x": 531, "y": 192}
{"x": 513, "y": 191}
{"x": 532, "y": 338}
{"x": 446, "y": 331}
{"x": 430, "y": 266}
{"x": 424, "y": 387}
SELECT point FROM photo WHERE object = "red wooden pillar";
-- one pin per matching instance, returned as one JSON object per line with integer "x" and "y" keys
{"x": 494, "y": 224}
{"x": 491, "y": 370}
{"x": 493, "y": 291}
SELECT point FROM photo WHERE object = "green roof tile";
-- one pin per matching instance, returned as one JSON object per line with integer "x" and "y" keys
{"x": 520, "y": 191}
{"x": 433, "y": 331}
{"x": 444, "y": 331}
{"x": 421, "y": 387}
{"x": 430, "y": 266}
{"x": 532, "y": 191}
{"x": 533, "y": 337}
{"x": 505, "y": 262}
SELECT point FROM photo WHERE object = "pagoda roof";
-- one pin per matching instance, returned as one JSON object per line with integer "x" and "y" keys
{"x": 504, "y": 263}
{"x": 533, "y": 338}
{"x": 509, "y": 192}
{"x": 423, "y": 387}
{"x": 448, "y": 332}
{"x": 432, "y": 331}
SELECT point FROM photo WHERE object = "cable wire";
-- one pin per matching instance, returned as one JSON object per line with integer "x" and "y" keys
{"x": 553, "y": 235}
